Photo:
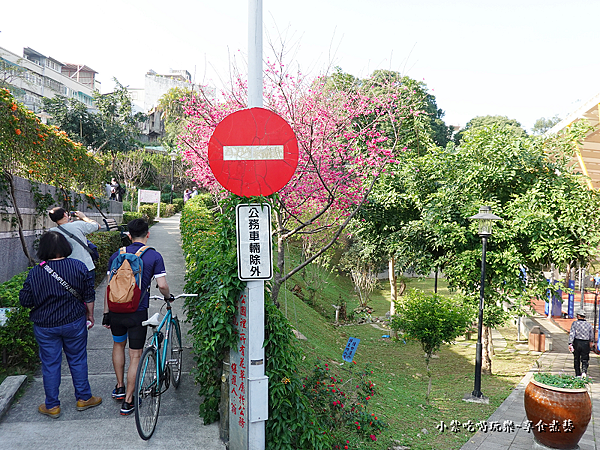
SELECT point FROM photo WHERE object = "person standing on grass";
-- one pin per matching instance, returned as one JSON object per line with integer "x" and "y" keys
{"x": 61, "y": 297}
{"x": 581, "y": 340}
{"x": 125, "y": 326}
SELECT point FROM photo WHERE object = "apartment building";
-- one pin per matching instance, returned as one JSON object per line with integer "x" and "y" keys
{"x": 34, "y": 76}
{"x": 155, "y": 86}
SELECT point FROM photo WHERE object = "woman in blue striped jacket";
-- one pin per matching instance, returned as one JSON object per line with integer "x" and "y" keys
{"x": 61, "y": 297}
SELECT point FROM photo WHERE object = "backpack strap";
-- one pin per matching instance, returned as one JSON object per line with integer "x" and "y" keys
{"x": 142, "y": 250}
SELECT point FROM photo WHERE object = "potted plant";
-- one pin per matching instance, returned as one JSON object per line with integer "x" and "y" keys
{"x": 559, "y": 408}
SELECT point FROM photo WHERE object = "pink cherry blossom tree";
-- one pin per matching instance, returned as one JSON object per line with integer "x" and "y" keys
{"x": 349, "y": 132}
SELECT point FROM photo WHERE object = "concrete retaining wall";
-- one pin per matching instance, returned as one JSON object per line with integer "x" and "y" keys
{"x": 12, "y": 257}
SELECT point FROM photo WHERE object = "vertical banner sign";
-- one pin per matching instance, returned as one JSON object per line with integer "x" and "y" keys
{"x": 557, "y": 303}
{"x": 238, "y": 411}
{"x": 571, "y": 299}
{"x": 248, "y": 385}
{"x": 254, "y": 250}
{"x": 350, "y": 349}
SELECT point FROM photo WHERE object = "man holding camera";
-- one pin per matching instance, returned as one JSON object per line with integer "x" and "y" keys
{"x": 75, "y": 232}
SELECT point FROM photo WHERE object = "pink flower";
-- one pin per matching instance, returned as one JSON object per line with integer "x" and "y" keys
{"x": 373, "y": 437}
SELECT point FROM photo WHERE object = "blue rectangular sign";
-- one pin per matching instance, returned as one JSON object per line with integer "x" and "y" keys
{"x": 571, "y": 302}
{"x": 350, "y": 349}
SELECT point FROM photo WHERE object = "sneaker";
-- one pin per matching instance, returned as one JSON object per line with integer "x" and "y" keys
{"x": 82, "y": 405}
{"x": 127, "y": 408}
{"x": 52, "y": 412}
{"x": 584, "y": 375}
{"x": 118, "y": 393}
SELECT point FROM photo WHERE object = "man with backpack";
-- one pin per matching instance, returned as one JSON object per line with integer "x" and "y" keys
{"x": 131, "y": 270}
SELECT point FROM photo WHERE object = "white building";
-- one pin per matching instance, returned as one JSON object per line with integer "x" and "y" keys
{"x": 35, "y": 76}
{"x": 155, "y": 86}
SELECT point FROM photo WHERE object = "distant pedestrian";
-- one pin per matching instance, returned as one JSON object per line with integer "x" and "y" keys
{"x": 581, "y": 340}
{"x": 116, "y": 192}
{"x": 186, "y": 195}
{"x": 194, "y": 191}
{"x": 61, "y": 297}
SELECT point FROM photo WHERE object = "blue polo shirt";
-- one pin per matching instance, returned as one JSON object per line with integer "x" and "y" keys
{"x": 154, "y": 266}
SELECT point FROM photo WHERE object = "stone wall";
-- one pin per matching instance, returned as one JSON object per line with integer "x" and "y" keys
{"x": 12, "y": 257}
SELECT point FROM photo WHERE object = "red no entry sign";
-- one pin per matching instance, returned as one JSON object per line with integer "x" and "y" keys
{"x": 253, "y": 152}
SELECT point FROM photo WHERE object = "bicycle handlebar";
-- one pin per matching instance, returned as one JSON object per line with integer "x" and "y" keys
{"x": 159, "y": 297}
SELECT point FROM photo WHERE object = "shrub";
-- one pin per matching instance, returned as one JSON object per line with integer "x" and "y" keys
{"x": 148, "y": 212}
{"x": 342, "y": 406}
{"x": 107, "y": 242}
{"x": 432, "y": 320}
{"x": 16, "y": 336}
{"x": 178, "y": 202}
{"x": 170, "y": 210}
{"x": 129, "y": 216}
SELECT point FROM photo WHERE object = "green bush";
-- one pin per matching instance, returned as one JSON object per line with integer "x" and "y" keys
{"x": 178, "y": 202}
{"x": 148, "y": 212}
{"x": 16, "y": 336}
{"x": 169, "y": 210}
{"x": 129, "y": 216}
{"x": 107, "y": 242}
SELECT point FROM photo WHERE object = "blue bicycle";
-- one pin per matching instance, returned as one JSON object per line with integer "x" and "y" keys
{"x": 159, "y": 365}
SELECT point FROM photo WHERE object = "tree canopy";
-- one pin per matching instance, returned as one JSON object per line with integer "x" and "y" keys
{"x": 113, "y": 128}
{"x": 542, "y": 124}
{"x": 488, "y": 121}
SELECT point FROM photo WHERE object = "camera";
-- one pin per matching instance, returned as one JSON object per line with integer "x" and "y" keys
{"x": 73, "y": 213}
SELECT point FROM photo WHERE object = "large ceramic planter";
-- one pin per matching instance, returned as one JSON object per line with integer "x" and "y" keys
{"x": 552, "y": 405}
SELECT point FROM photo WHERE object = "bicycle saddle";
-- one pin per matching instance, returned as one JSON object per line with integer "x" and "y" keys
{"x": 153, "y": 321}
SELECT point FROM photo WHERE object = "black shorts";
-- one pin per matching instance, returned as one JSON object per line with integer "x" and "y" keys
{"x": 129, "y": 324}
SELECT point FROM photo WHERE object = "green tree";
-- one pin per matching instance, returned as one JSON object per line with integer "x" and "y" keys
{"x": 119, "y": 124}
{"x": 172, "y": 106}
{"x": 432, "y": 320}
{"x": 548, "y": 215}
{"x": 75, "y": 119}
{"x": 542, "y": 124}
{"x": 488, "y": 121}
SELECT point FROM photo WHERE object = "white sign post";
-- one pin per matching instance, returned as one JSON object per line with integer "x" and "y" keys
{"x": 248, "y": 385}
{"x": 146, "y": 196}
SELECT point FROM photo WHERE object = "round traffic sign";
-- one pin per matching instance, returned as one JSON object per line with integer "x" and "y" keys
{"x": 253, "y": 152}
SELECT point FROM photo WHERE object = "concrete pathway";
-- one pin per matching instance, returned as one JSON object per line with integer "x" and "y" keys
{"x": 102, "y": 427}
{"x": 559, "y": 360}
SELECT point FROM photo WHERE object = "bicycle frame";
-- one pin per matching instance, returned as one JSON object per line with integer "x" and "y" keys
{"x": 161, "y": 353}
{"x": 152, "y": 382}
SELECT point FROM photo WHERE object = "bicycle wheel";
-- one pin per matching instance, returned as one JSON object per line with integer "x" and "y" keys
{"x": 146, "y": 396}
{"x": 175, "y": 352}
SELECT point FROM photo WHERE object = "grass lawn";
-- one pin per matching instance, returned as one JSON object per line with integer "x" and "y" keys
{"x": 399, "y": 368}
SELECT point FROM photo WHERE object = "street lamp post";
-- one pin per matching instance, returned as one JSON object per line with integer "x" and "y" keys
{"x": 173, "y": 156}
{"x": 485, "y": 218}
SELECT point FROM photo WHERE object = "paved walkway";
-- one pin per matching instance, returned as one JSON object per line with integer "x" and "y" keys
{"x": 102, "y": 427}
{"x": 559, "y": 360}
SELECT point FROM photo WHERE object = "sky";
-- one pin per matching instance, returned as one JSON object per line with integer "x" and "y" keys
{"x": 524, "y": 59}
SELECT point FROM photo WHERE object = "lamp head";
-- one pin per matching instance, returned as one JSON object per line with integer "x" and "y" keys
{"x": 485, "y": 219}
